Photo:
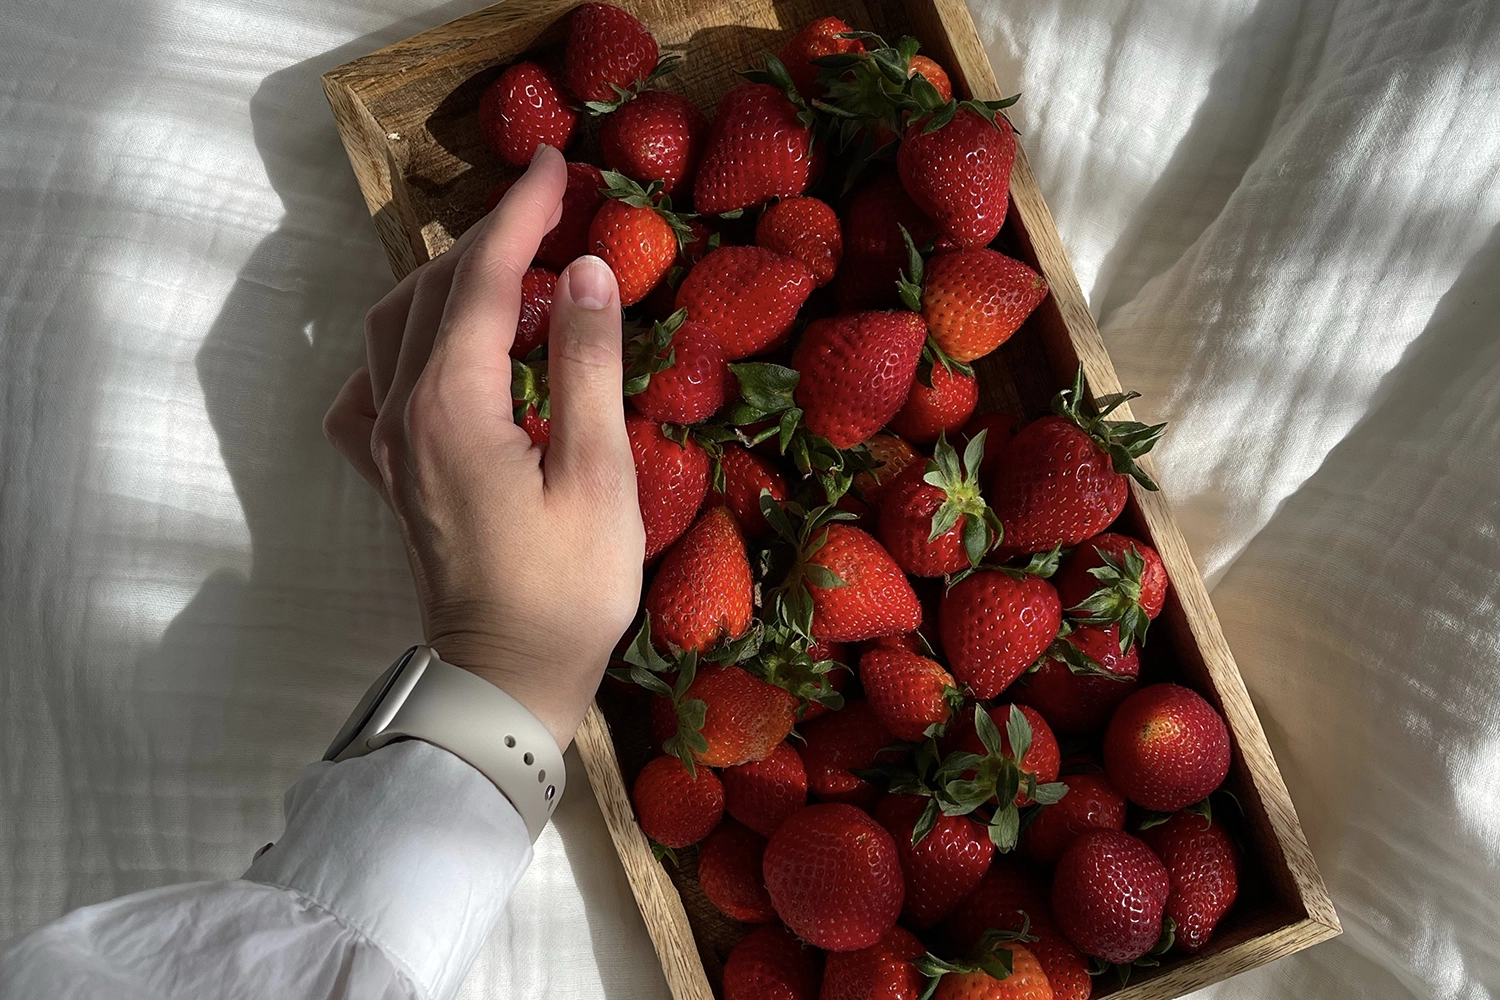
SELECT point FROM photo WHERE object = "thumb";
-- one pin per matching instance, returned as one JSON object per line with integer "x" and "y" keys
{"x": 589, "y": 446}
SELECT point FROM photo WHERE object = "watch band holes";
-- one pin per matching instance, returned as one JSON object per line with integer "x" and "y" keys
{"x": 529, "y": 759}
{"x": 541, "y": 777}
{"x": 551, "y": 791}
{"x": 510, "y": 741}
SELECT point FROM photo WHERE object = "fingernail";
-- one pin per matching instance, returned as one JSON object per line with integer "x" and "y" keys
{"x": 540, "y": 149}
{"x": 591, "y": 284}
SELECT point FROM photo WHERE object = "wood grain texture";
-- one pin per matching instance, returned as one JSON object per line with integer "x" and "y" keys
{"x": 408, "y": 116}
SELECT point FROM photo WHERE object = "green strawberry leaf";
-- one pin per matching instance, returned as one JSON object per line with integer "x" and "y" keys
{"x": 1017, "y": 731}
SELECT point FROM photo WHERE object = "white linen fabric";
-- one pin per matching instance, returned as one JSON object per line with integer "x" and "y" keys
{"x": 1284, "y": 213}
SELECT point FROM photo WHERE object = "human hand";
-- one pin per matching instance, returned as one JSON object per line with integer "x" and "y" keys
{"x": 527, "y": 566}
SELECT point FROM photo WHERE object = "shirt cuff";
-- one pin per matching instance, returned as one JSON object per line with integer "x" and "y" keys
{"x": 410, "y": 846}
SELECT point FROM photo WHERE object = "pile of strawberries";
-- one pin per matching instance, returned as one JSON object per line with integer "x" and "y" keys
{"x": 892, "y": 648}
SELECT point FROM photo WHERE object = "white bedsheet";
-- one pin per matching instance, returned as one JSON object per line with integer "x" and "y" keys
{"x": 1284, "y": 213}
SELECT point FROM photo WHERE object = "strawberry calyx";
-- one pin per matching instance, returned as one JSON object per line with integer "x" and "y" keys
{"x": 1075, "y": 659}
{"x": 774, "y": 72}
{"x": 1123, "y": 440}
{"x": 962, "y": 498}
{"x": 651, "y": 670}
{"x": 785, "y": 660}
{"x": 1152, "y": 958}
{"x": 666, "y": 64}
{"x": 806, "y": 532}
{"x": 650, "y": 352}
{"x": 934, "y": 116}
{"x": 861, "y": 90}
{"x": 1041, "y": 564}
{"x": 989, "y": 956}
{"x": 624, "y": 189}
{"x": 963, "y": 782}
{"x": 528, "y": 388}
{"x": 1203, "y": 808}
{"x": 1117, "y": 601}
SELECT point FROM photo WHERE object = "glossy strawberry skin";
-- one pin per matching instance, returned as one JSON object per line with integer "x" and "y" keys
{"x": 883, "y": 971}
{"x": 840, "y": 743}
{"x": 695, "y": 386}
{"x": 537, "y": 427}
{"x": 534, "y": 321}
{"x": 975, "y": 300}
{"x": 676, "y": 809}
{"x": 999, "y": 428}
{"x": 805, "y": 228}
{"x": 994, "y": 627}
{"x": 702, "y": 592}
{"x": 876, "y": 598}
{"x": 1091, "y": 803}
{"x": 523, "y": 109}
{"x": 892, "y": 455}
{"x": 745, "y": 475}
{"x": 569, "y": 239}
{"x": 636, "y": 243}
{"x": 770, "y": 964}
{"x": 1080, "y": 704}
{"x": 819, "y": 38}
{"x": 1203, "y": 864}
{"x": 761, "y": 794}
{"x": 934, "y": 74}
{"x": 1166, "y": 748}
{"x": 1055, "y": 486}
{"x": 945, "y": 867}
{"x": 657, "y": 136}
{"x": 1043, "y": 758}
{"x": 906, "y": 691}
{"x": 1108, "y": 895}
{"x": 905, "y": 525}
{"x": 756, "y": 150}
{"x": 1074, "y": 582}
{"x": 1026, "y": 981}
{"x": 960, "y": 175}
{"x": 607, "y": 48}
{"x": 941, "y": 408}
{"x": 729, "y": 870}
{"x": 856, "y": 372}
{"x": 671, "y": 481}
{"x": 874, "y": 251}
{"x": 746, "y": 717}
{"x": 835, "y": 877}
{"x": 748, "y": 295}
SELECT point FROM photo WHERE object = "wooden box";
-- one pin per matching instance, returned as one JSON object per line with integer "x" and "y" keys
{"x": 408, "y": 113}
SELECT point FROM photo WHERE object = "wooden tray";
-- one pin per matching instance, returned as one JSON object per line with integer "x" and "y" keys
{"x": 407, "y": 114}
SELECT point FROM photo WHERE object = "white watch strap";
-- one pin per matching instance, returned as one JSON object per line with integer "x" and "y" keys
{"x": 474, "y": 720}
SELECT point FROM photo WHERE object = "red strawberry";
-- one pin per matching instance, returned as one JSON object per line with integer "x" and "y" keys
{"x": 674, "y": 808}
{"x": 745, "y": 475}
{"x": 532, "y": 399}
{"x": 1166, "y": 748}
{"x": 1043, "y": 758}
{"x": 729, "y": 870}
{"x": 1026, "y": 981}
{"x": 839, "y": 744}
{"x": 1079, "y": 703}
{"x": 805, "y": 228}
{"x": 770, "y": 964}
{"x": 758, "y": 149}
{"x": 974, "y": 300}
{"x": 744, "y": 717}
{"x": 749, "y": 295}
{"x": 1203, "y": 864}
{"x": 636, "y": 233}
{"x": 994, "y": 626}
{"x": 834, "y": 877}
{"x": 891, "y": 455}
{"x": 941, "y": 408}
{"x": 934, "y": 520}
{"x": 1090, "y": 804}
{"x": 534, "y": 321}
{"x": 763, "y": 793}
{"x": 883, "y": 971}
{"x": 676, "y": 372}
{"x": 909, "y": 693}
{"x": 657, "y": 136}
{"x": 946, "y": 863}
{"x": 934, "y": 74}
{"x": 959, "y": 174}
{"x": 662, "y": 301}
{"x": 819, "y": 38}
{"x": 1006, "y": 893}
{"x": 702, "y": 592}
{"x": 1108, "y": 895}
{"x": 856, "y": 372}
{"x": 875, "y": 598}
{"x": 671, "y": 480}
{"x": 874, "y": 251}
{"x": 525, "y": 108}
{"x": 607, "y": 49}
{"x": 1114, "y": 579}
{"x": 569, "y": 239}
{"x": 999, "y": 428}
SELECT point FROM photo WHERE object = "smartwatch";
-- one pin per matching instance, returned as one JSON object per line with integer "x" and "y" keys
{"x": 422, "y": 698}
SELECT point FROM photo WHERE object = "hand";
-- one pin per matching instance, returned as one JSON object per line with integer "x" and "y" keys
{"x": 527, "y": 566}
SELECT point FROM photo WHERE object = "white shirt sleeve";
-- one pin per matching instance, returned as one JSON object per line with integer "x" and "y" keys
{"x": 391, "y": 872}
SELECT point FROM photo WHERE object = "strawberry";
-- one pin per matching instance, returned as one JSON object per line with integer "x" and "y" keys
{"x": 675, "y": 372}
{"x": 569, "y": 239}
{"x": 958, "y": 171}
{"x": 999, "y": 428}
{"x": 1077, "y": 694}
{"x": 819, "y": 38}
{"x": 662, "y": 301}
{"x": 1114, "y": 579}
{"x": 676, "y": 808}
{"x": 883, "y": 971}
{"x": 972, "y": 300}
{"x": 1203, "y": 864}
{"x": 1166, "y": 748}
{"x": 891, "y": 455}
{"x": 874, "y": 251}
{"x": 770, "y": 964}
{"x": 671, "y": 481}
{"x": 532, "y": 400}
{"x": 805, "y": 228}
{"x": 854, "y": 588}
{"x": 1091, "y": 804}
{"x": 841, "y": 743}
{"x": 523, "y": 109}
{"x": 938, "y": 406}
{"x": 637, "y": 234}
{"x": 856, "y": 372}
{"x": 743, "y": 717}
{"x": 729, "y": 870}
{"x": 608, "y": 52}
{"x": 910, "y": 694}
{"x": 657, "y": 136}
{"x": 1042, "y": 758}
{"x": 1108, "y": 895}
{"x": 933, "y": 74}
{"x": 934, "y": 520}
{"x": 763, "y": 793}
{"x": 534, "y": 321}
{"x": 994, "y": 626}
{"x": 759, "y": 147}
{"x": 702, "y": 592}
{"x": 745, "y": 475}
{"x": 1062, "y": 479}
{"x": 1021, "y": 979}
{"x": 749, "y": 295}
{"x": 943, "y": 858}
{"x": 834, "y": 877}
